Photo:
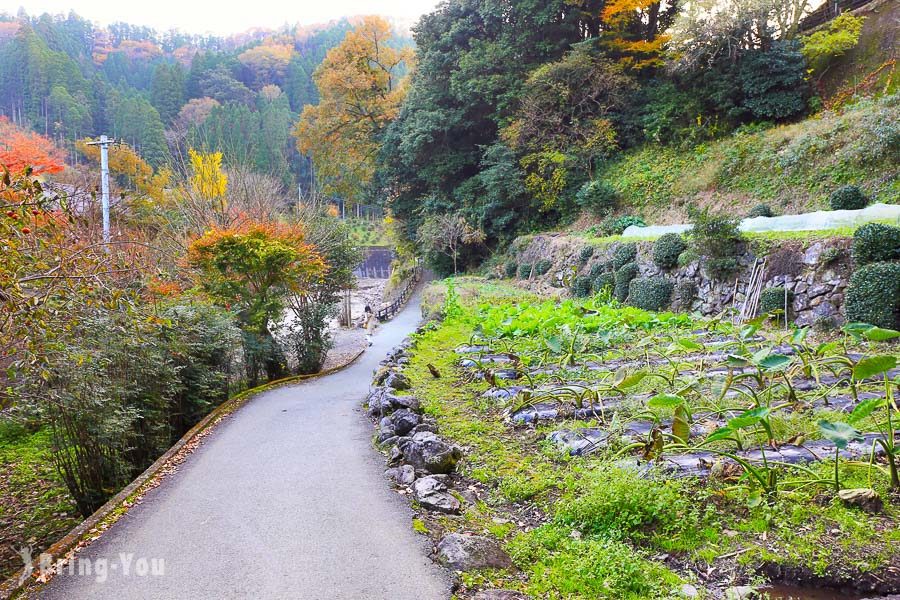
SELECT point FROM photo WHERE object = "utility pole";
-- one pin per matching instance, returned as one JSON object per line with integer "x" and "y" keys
{"x": 104, "y": 181}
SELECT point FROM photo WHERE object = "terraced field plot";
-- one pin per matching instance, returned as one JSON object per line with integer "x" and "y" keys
{"x": 619, "y": 453}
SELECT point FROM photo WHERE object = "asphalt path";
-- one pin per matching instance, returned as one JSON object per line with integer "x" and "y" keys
{"x": 285, "y": 499}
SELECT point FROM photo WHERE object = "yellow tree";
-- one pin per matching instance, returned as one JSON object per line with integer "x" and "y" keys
{"x": 360, "y": 93}
{"x": 124, "y": 160}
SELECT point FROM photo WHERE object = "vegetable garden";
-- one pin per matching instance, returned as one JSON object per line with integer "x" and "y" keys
{"x": 616, "y": 452}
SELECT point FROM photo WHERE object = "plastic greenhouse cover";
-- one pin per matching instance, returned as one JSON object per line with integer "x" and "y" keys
{"x": 822, "y": 219}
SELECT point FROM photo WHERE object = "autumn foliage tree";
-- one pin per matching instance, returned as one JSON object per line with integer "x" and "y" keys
{"x": 254, "y": 268}
{"x": 20, "y": 149}
{"x": 126, "y": 162}
{"x": 361, "y": 91}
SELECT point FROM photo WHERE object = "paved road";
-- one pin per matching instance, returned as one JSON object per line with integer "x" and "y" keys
{"x": 285, "y": 499}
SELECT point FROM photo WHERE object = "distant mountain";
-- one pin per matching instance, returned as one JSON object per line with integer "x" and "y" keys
{"x": 68, "y": 78}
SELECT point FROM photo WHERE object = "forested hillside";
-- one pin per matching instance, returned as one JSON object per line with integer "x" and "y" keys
{"x": 164, "y": 92}
{"x": 522, "y": 115}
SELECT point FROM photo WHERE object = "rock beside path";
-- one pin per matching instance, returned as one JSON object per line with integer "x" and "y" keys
{"x": 427, "y": 452}
{"x": 432, "y": 494}
{"x": 469, "y": 552}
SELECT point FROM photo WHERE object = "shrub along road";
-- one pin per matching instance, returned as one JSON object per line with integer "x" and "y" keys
{"x": 285, "y": 499}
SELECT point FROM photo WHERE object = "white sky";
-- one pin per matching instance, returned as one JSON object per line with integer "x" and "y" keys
{"x": 225, "y": 16}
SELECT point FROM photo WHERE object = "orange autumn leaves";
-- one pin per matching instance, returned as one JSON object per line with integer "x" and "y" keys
{"x": 253, "y": 266}
{"x": 21, "y": 149}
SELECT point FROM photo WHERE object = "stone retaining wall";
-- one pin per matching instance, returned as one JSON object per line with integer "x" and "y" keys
{"x": 815, "y": 274}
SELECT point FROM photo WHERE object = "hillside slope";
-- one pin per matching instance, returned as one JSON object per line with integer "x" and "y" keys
{"x": 791, "y": 167}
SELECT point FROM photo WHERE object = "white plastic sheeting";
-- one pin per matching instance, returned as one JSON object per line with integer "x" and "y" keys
{"x": 822, "y": 219}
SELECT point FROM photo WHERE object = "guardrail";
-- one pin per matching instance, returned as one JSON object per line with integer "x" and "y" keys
{"x": 828, "y": 11}
{"x": 394, "y": 307}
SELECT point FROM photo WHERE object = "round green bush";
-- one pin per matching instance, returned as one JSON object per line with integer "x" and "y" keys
{"x": 542, "y": 267}
{"x": 876, "y": 242}
{"x": 685, "y": 292}
{"x": 873, "y": 295}
{"x": 605, "y": 282}
{"x": 760, "y": 210}
{"x": 615, "y": 226}
{"x": 624, "y": 275}
{"x": 511, "y": 268}
{"x": 848, "y": 197}
{"x": 667, "y": 249}
{"x": 581, "y": 287}
{"x": 624, "y": 254}
{"x": 772, "y": 299}
{"x": 585, "y": 255}
{"x": 525, "y": 271}
{"x": 597, "y": 197}
{"x": 597, "y": 269}
{"x": 650, "y": 293}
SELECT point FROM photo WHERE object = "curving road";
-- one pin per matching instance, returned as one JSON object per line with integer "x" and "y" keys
{"x": 285, "y": 499}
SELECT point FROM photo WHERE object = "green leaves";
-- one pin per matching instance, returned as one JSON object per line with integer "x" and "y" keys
{"x": 749, "y": 418}
{"x": 623, "y": 380}
{"x": 878, "y": 334}
{"x": 681, "y": 428}
{"x": 774, "y": 362}
{"x": 841, "y": 434}
{"x": 864, "y": 409}
{"x": 665, "y": 401}
{"x": 869, "y": 367}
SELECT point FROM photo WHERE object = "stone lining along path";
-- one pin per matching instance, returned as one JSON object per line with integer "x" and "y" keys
{"x": 285, "y": 499}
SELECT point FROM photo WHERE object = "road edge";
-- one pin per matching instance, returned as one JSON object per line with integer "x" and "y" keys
{"x": 103, "y": 518}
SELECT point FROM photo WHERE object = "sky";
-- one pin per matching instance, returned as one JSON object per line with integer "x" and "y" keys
{"x": 224, "y": 16}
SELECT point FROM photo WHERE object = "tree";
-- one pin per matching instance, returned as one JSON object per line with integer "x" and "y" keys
{"x": 267, "y": 62}
{"x": 20, "y": 150}
{"x": 359, "y": 96}
{"x": 221, "y": 85}
{"x": 167, "y": 90}
{"x": 254, "y": 268}
{"x": 473, "y": 58}
{"x": 831, "y": 41}
{"x": 124, "y": 161}
{"x": 570, "y": 106}
{"x": 447, "y": 234}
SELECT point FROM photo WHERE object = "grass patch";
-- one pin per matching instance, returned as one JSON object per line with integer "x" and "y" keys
{"x": 35, "y": 506}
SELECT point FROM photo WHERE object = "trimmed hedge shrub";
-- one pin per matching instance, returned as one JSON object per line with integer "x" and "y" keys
{"x": 876, "y": 242}
{"x": 585, "y": 255}
{"x": 848, "y": 197}
{"x": 605, "y": 282}
{"x": 717, "y": 239}
{"x": 615, "y": 226}
{"x": 760, "y": 210}
{"x": 772, "y": 299}
{"x": 623, "y": 255}
{"x": 667, "y": 249}
{"x": 581, "y": 287}
{"x": 597, "y": 269}
{"x": 511, "y": 268}
{"x": 685, "y": 292}
{"x": 624, "y": 276}
{"x": 598, "y": 197}
{"x": 650, "y": 293}
{"x": 525, "y": 271}
{"x": 873, "y": 295}
{"x": 542, "y": 267}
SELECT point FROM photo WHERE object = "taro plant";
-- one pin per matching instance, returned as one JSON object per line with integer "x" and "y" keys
{"x": 864, "y": 369}
{"x": 840, "y": 434}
